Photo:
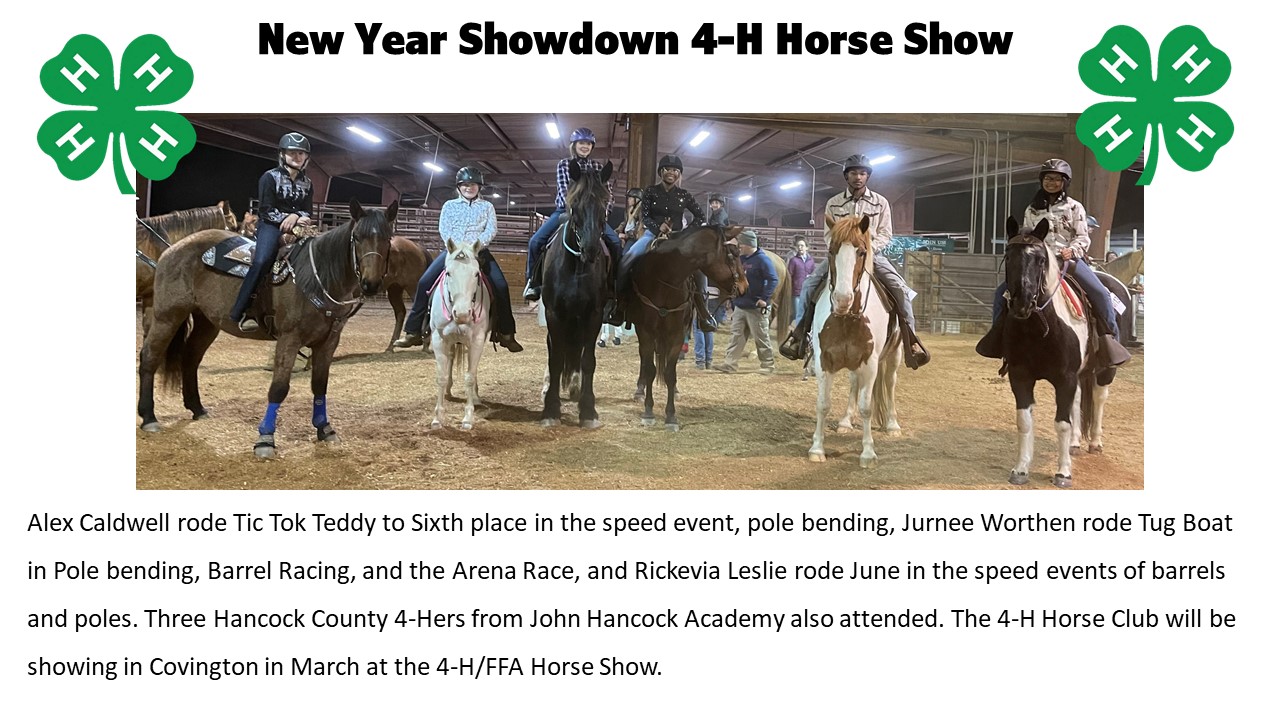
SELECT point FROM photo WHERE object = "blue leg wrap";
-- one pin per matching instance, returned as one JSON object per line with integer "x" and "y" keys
{"x": 268, "y": 426}
{"x": 319, "y": 416}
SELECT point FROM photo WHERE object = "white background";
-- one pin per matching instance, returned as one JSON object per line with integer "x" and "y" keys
{"x": 69, "y": 390}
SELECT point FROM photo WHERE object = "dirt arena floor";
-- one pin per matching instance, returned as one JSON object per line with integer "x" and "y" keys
{"x": 743, "y": 431}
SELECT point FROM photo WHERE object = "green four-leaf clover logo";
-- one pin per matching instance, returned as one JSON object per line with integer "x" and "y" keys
{"x": 1155, "y": 105}
{"x": 83, "y": 75}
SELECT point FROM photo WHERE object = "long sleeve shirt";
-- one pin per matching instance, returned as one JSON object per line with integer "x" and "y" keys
{"x": 871, "y": 204}
{"x": 799, "y": 268}
{"x": 761, "y": 280}
{"x": 563, "y": 181}
{"x": 659, "y": 206}
{"x": 279, "y": 196}
{"x": 467, "y": 221}
{"x": 719, "y": 217}
{"x": 1068, "y": 224}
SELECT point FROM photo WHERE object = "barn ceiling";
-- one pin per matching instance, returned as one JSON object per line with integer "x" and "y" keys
{"x": 744, "y": 154}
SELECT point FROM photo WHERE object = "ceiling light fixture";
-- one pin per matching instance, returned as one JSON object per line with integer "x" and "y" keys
{"x": 364, "y": 134}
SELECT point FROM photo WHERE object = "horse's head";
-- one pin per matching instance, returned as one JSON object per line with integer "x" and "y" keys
{"x": 229, "y": 221}
{"x": 1030, "y": 268}
{"x": 461, "y": 279}
{"x": 371, "y": 243}
{"x": 249, "y": 228}
{"x": 587, "y": 201}
{"x": 720, "y": 259}
{"x": 848, "y": 255}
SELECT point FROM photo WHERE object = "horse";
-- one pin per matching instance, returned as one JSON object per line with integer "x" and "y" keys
{"x": 858, "y": 333}
{"x": 574, "y": 279}
{"x": 460, "y": 319}
{"x": 660, "y": 301}
{"x": 1045, "y": 340}
{"x": 408, "y": 262}
{"x": 156, "y": 234}
{"x": 329, "y": 272}
{"x": 249, "y": 225}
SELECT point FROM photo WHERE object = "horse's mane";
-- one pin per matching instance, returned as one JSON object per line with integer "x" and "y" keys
{"x": 181, "y": 223}
{"x": 587, "y": 185}
{"x": 845, "y": 230}
{"x": 332, "y": 251}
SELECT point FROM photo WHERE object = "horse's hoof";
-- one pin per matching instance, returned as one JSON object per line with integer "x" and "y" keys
{"x": 1095, "y": 448}
{"x": 266, "y": 447}
{"x": 151, "y": 427}
{"x": 590, "y": 424}
{"x": 549, "y": 422}
{"x": 638, "y": 397}
{"x": 673, "y": 427}
{"x": 648, "y": 421}
{"x": 1075, "y": 449}
{"x": 1017, "y": 478}
{"x": 200, "y": 414}
{"x": 844, "y": 429}
{"x": 1062, "y": 481}
{"x": 436, "y": 424}
{"x": 327, "y": 434}
{"x": 467, "y": 425}
{"x": 817, "y": 456}
{"x": 867, "y": 462}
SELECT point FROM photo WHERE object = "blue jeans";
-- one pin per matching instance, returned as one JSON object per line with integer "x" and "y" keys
{"x": 798, "y": 306}
{"x": 263, "y": 257}
{"x": 504, "y": 323}
{"x": 542, "y": 238}
{"x": 1099, "y": 297}
{"x": 704, "y": 342}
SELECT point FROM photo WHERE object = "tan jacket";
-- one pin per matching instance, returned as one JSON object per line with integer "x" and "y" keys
{"x": 871, "y": 204}
{"x": 1068, "y": 225}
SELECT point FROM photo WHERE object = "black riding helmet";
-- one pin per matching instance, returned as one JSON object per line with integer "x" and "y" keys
{"x": 1056, "y": 165}
{"x": 636, "y": 193}
{"x": 671, "y": 161}
{"x": 469, "y": 174}
{"x": 855, "y": 162}
{"x": 295, "y": 141}
{"x": 717, "y": 196}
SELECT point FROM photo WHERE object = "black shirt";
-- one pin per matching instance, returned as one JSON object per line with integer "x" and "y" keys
{"x": 279, "y": 196}
{"x": 659, "y": 206}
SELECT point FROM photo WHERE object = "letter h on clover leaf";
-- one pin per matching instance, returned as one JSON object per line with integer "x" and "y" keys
{"x": 1154, "y": 104}
{"x": 83, "y": 76}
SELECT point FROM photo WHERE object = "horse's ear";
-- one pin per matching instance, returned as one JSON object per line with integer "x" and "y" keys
{"x": 392, "y": 209}
{"x": 865, "y": 224}
{"x": 606, "y": 171}
{"x": 1042, "y": 229}
{"x": 475, "y": 248}
{"x": 575, "y": 171}
{"x": 830, "y": 221}
{"x": 1011, "y": 227}
{"x": 450, "y": 247}
{"x": 732, "y": 231}
{"x": 357, "y": 211}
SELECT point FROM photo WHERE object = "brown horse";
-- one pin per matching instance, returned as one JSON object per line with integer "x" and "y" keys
{"x": 661, "y": 298}
{"x": 780, "y": 302}
{"x": 408, "y": 262}
{"x": 155, "y": 235}
{"x": 330, "y": 271}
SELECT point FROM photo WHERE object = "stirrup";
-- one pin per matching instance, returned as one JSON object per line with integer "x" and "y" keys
{"x": 793, "y": 347}
{"x": 532, "y": 293}
{"x": 248, "y": 325}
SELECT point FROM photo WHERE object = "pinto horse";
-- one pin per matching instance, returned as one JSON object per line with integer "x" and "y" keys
{"x": 661, "y": 298}
{"x": 575, "y": 274}
{"x": 855, "y": 332}
{"x": 156, "y": 234}
{"x": 329, "y": 272}
{"x": 1045, "y": 340}
{"x": 460, "y": 318}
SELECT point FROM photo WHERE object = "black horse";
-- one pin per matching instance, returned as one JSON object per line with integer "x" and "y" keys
{"x": 1045, "y": 340}
{"x": 660, "y": 301}
{"x": 575, "y": 275}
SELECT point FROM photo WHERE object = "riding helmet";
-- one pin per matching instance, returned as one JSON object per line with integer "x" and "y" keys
{"x": 295, "y": 141}
{"x": 717, "y": 196}
{"x": 582, "y": 134}
{"x": 854, "y": 162}
{"x": 1056, "y": 165}
{"x": 636, "y": 193}
{"x": 671, "y": 161}
{"x": 469, "y": 174}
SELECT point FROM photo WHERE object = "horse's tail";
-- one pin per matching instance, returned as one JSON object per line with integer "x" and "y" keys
{"x": 783, "y": 307}
{"x": 1087, "y": 384}
{"x": 880, "y": 400}
{"x": 171, "y": 365}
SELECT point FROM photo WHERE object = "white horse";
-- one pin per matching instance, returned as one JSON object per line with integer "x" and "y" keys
{"x": 460, "y": 319}
{"x": 855, "y": 332}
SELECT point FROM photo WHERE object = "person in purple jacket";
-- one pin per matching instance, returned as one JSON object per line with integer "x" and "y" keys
{"x": 799, "y": 267}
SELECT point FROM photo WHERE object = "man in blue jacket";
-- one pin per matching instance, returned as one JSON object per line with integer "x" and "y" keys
{"x": 751, "y": 310}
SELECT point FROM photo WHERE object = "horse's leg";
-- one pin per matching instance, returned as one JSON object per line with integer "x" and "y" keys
{"x": 588, "y": 417}
{"x": 475, "y": 350}
{"x": 555, "y": 367}
{"x": 1067, "y": 394}
{"x": 865, "y": 379}
{"x": 669, "y": 375}
{"x": 1075, "y": 423}
{"x": 321, "y": 361}
{"x": 889, "y": 376}
{"x": 202, "y": 334}
{"x": 161, "y": 347}
{"x": 825, "y": 380}
{"x": 1024, "y": 398}
{"x": 845, "y": 426}
{"x": 395, "y": 296}
{"x": 286, "y": 350}
{"x": 648, "y": 373}
{"x": 444, "y": 376}
{"x": 1100, "y": 394}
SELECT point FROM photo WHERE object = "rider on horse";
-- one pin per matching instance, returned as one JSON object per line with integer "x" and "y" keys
{"x": 284, "y": 200}
{"x": 860, "y": 200}
{"x": 1069, "y": 237}
{"x": 581, "y": 143}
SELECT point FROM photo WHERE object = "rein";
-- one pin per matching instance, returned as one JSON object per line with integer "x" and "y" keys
{"x": 446, "y": 298}
{"x": 155, "y": 233}
{"x": 355, "y": 268}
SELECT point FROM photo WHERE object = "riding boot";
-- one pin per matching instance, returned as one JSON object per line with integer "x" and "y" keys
{"x": 706, "y": 323}
{"x": 1111, "y": 353}
{"x": 912, "y": 359}
{"x": 613, "y": 310}
{"x": 533, "y": 286}
{"x": 409, "y": 340}
{"x": 507, "y": 341}
{"x": 797, "y": 343}
{"x": 992, "y": 344}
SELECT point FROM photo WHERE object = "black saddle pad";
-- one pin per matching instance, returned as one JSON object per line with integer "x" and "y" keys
{"x": 233, "y": 256}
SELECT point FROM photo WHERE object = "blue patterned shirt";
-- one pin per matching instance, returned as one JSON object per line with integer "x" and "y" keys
{"x": 563, "y": 181}
{"x": 464, "y": 220}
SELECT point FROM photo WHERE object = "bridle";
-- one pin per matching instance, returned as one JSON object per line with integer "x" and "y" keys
{"x": 352, "y": 242}
{"x": 831, "y": 279}
{"x": 1033, "y": 241}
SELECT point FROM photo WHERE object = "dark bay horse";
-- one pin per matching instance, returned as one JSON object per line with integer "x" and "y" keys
{"x": 330, "y": 272}
{"x": 155, "y": 234}
{"x": 574, "y": 278}
{"x": 660, "y": 301}
{"x": 1045, "y": 340}
{"x": 408, "y": 262}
